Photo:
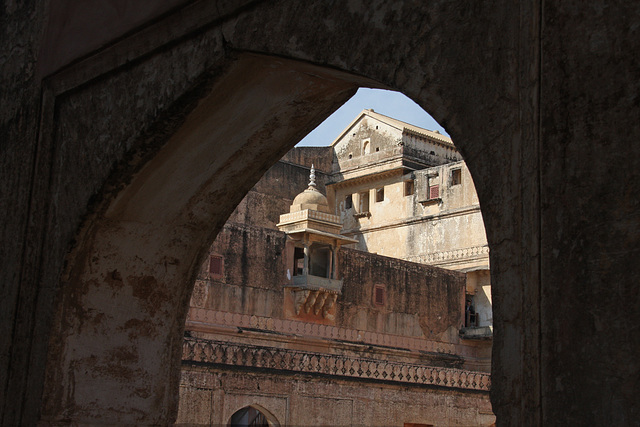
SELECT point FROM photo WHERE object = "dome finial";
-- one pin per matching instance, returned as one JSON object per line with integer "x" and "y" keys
{"x": 312, "y": 177}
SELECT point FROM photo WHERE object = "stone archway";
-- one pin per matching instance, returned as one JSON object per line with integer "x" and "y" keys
{"x": 253, "y": 415}
{"x": 114, "y": 349}
{"x": 128, "y": 273}
{"x": 107, "y": 119}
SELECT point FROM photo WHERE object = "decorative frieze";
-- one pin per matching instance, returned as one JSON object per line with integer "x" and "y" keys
{"x": 454, "y": 254}
{"x": 251, "y": 356}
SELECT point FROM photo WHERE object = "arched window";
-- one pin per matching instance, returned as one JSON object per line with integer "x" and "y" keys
{"x": 366, "y": 147}
{"x": 253, "y": 416}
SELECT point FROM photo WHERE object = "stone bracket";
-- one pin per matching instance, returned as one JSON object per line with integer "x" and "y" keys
{"x": 319, "y": 300}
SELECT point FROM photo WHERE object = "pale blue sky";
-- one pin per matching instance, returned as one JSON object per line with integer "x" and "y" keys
{"x": 389, "y": 103}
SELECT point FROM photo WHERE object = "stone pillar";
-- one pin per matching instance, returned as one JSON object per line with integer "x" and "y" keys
{"x": 307, "y": 253}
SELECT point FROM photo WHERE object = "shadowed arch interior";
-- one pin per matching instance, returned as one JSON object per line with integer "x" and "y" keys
{"x": 136, "y": 259}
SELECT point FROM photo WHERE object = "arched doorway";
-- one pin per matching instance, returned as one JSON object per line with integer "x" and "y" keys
{"x": 253, "y": 416}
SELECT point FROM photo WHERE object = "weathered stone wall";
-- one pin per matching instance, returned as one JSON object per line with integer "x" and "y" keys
{"x": 253, "y": 272}
{"x": 210, "y": 395}
{"x": 320, "y": 157}
{"x": 421, "y": 301}
{"x": 429, "y": 296}
{"x": 24, "y": 306}
{"x": 349, "y": 149}
{"x": 378, "y": 357}
{"x": 273, "y": 194}
{"x": 589, "y": 204}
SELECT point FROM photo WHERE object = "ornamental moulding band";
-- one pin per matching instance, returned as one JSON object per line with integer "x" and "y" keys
{"x": 250, "y": 356}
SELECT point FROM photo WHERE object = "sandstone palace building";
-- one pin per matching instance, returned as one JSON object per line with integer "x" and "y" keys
{"x": 349, "y": 287}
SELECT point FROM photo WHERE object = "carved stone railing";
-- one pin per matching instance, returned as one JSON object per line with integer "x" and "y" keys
{"x": 251, "y": 356}
{"x": 454, "y": 254}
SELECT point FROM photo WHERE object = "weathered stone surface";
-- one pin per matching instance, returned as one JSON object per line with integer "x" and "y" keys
{"x": 421, "y": 301}
{"x": 541, "y": 97}
{"x": 435, "y": 295}
{"x": 304, "y": 399}
{"x": 590, "y": 199}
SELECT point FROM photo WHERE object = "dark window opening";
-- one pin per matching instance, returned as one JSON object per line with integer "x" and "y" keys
{"x": 409, "y": 187}
{"x": 298, "y": 262}
{"x": 379, "y": 194}
{"x": 249, "y": 417}
{"x": 377, "y": 149}
{"x": 470, "y": 315}
{"x": 348, "y": 202}
{"x": 320, "y": 261}
{"x": 456, "y": 177}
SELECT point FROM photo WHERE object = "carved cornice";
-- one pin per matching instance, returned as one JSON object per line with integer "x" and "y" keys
{"x": 454, "y": 254}
{"x": 431, "y": 137}
{"x": 308, "y": 214}
{"x": 297, "y": 361}
{"x": 467, "y": 210}
{"x": 346, "y": 178}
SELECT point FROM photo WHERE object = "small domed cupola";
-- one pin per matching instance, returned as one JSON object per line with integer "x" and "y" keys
{"x": 315, "y": 233}
{"x": 310, "y": 198}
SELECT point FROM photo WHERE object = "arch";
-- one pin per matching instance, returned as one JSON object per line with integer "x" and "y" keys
{"x": 124, "y": 285}
{"x": 253, "y": 415}
{"x": 104, "y": 131}
{"x": 143, "y": 246}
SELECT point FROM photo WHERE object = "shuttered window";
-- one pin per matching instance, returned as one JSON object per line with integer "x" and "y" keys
{"x": 379, "y": 295}
{"x": 215, "y": 266}
{"x": 434, "y": 192}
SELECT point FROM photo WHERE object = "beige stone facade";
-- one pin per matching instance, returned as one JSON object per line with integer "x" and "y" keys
{"x": 405, "y": 192}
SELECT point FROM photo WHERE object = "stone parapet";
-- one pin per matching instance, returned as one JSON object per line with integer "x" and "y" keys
{"x": 452, "y": 255}
{"x": 260, "y": 357}
{"x": 308, "y": 214}
{"x": 316, "y": 283}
